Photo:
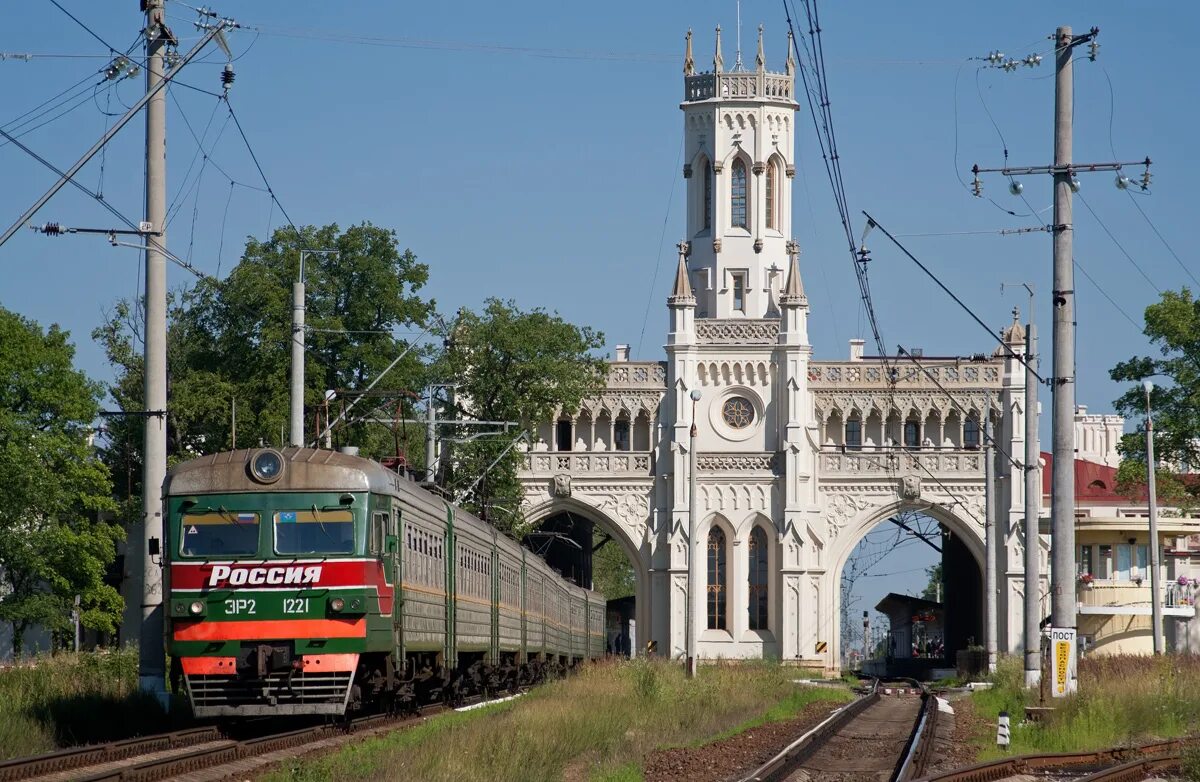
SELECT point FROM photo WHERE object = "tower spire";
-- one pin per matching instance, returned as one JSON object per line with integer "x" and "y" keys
{"x": 737, "y": 60}
{"x": 718, "y": 61}
{"x": 790, "y": 68}
{"x": 689, "y": 64}
{"x": 760, "y": 61}
{"x": 683, "y": 288}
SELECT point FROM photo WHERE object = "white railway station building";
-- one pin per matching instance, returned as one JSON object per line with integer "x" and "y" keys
{"x": 798, "y": 457}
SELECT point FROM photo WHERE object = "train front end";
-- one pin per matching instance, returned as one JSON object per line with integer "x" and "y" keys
{"x": 271, "y": 597}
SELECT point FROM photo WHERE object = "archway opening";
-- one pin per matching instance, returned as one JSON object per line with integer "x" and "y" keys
{"x": 592, "y": 556}
{"x": 911, "y": 598}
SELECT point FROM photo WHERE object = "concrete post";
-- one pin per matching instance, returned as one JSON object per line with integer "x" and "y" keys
{"x": 1033, "y": 494}
{"x": 1152, "y": 499}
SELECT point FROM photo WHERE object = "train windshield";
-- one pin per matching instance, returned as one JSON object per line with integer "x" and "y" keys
{"x": 314, "y": 531}
{"x": 218, "y": 533}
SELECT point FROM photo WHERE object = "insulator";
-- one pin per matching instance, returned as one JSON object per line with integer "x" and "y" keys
{"x": 52, "y": 229}
{"x": 1093, "y": 50}
{"x": 977, "y": 187}
{"x": 227, "y": 76}
{"x": 1146, "y": 175}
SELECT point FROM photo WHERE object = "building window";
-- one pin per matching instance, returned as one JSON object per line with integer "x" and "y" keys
{"x": 737, "y": 412}
{"x": 708, "y": 201}
{"x": 758, "y": 580}
{"x": 737, "y": 195}
{"x": 854, "y": 433}
{"x": 1132, "y": 561}
{"x": 716, "y": 579}
{"x": 621, "y": 435}
{"x": 739, "y": 292}
{"x": 912, "y": 434}
{"x": 563, "y": 435}
{"x": 772, "y": 195}
{"x": 1084, "y": 565}
{"x": 971, "y": 433}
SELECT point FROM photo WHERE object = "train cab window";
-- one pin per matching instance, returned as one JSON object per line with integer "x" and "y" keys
{"x": 218, "y": 533}
{"x": 314, "y": 531}
{"x": 378, "y": 530}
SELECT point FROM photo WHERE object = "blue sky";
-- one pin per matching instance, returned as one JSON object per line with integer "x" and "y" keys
{"x": 530, "y": 151}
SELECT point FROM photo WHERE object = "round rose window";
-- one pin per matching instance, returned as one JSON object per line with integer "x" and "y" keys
{"x": 738, "y": 412}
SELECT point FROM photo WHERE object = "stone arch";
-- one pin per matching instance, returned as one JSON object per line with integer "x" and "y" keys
{"x": 633, "y": 543}
{"x": 856, "y": 528}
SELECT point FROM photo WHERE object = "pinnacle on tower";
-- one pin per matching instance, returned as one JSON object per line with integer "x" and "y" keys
{"x": 793, "y": 290}
{"x": 689, "y": 64}
{"x": 760, "y": 61}
{"x": 790, "y": 69}
{"x": 718, "y": 61}
{"x": 683, "y": 288}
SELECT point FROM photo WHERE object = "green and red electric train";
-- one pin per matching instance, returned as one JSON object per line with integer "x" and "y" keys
{"x": 305, "y": 581}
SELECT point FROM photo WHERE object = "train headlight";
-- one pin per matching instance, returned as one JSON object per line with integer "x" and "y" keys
{"x": 267, "y": 465}
{"x": 196, "y": 608}
{"x": 337, "y": 604}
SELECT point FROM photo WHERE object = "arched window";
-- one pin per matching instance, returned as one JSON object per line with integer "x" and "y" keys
{"x": 772, "y": 194}
{"x": 708, "y": 201}
{"x": 737, "y": 195}
{"x": 912, "y": 434}
{"x": 758, "y": 580}
{"x": 716, "y": 579}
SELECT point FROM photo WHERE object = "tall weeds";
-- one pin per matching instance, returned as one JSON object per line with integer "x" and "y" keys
{"x": 601, "y": 722}
{"x": 67, "y": 699}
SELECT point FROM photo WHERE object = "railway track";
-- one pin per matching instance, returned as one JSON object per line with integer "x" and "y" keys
{"x": 1122, "y": 764}
{"x": 195, "y": 754}
{"x": 886, "y": 735}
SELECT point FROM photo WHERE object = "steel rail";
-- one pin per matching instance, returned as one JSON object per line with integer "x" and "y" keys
{"x": 95, "y": 754}
{"x": 920, "y": 745}
{"x": 1137, "y": 770}
{"x": 1024, "y": 764}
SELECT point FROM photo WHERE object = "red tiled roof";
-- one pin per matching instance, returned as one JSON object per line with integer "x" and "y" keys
{"x": 1094, "y": 483}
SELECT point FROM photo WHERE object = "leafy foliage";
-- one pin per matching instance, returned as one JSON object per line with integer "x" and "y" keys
{"x": 612, "y": 572}
{"x": 52, "y": 543}
{"x": 518, "y": 366}
{"x": 934, "y": 588}
{"x": 1173, "y": 326}
{"x": 229, "y": 342}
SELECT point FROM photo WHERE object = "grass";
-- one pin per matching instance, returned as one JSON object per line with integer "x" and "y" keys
{"x": 65, "y": 699}
{"x": 597, "y": 725}
{"x": 1121, "y": 700}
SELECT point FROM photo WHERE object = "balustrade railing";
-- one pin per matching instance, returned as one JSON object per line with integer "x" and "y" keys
{"x": 703, "y": 86}
{"x": 1133, "y": 594}
{"x": 594, "y": 463}
{"x": 843, "y": 462}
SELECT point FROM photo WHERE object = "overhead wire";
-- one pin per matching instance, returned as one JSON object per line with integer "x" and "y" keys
{"x": 1118, "y": 244}
{"x": 662, "y": 237}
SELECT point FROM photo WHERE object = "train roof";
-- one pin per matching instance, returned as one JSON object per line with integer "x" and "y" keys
{"x": 305, "y": 469}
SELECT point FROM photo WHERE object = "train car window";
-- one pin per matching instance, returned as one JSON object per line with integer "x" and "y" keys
{"x": 378, "y": 526}
{"x": 314, "y": 532}
{"x": 218, "y": 533}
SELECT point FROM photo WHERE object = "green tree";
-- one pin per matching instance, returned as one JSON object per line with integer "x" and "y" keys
{"x": 936, "y": 585}
{"x": 229, "y": 343}
{"x": 612, "y": 573}
{"x": 53, "y": 544}
{"x": 1173, "y": 327}
{"x": 518, "y": 366}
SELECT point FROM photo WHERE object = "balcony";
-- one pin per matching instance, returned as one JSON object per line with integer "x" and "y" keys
{"x": 741, "y": 84}
{"x": 1133, "y": 598}
{"x": 596, "y": 464}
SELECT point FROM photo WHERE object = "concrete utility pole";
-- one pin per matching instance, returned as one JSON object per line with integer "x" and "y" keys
{"x": 1062, "y": 382}
{"x": 151, "y": 658}
{"x": 1033, "y": 494}
{"x": 296, "y": 434}
{"x": 430, "y": 439}
{"x": 696, "y": 587}
{"x": 1062, "y": 497}
{"x": 992, "y": 541}
{"x": 1152, "y": 500}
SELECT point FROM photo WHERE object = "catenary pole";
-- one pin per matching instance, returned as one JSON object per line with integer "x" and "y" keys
{"x": 1062, "y": 500}
{"x": 151, "y": 659}
{"x": 992, "y": 541}
{"x": 696, "y": 591}
{"x": 1152, "y": 500}
{"x": 1033, "y": 494}
{"x": 296, "y": 417}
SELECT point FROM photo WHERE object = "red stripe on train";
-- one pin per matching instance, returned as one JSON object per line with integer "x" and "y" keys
{"x": 298, "y": 574}
{"x": 270, "y": 629}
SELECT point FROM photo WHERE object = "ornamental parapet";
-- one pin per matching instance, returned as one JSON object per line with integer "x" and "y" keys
{"x": 948, "y": 373}
{"x": 637, "y": 374}
{"x": 629, "y": 463}
{"x": 757, "y": 84}
{"x": 737, "y": 331}
{"x": 842, "y": 463}
{"x": 738, "y": 462}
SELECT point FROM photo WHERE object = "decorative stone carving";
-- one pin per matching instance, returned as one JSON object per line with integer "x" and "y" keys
{"x": 716, "y": 245}
{"x": 910, "y": 487}
{"x": 562, "y": 485}
{"x": 687, "y": 170}
{"x": 737, "y": 462}
{"x": 840, "y": 508}
{"x": 758, "y": 245}
{"x": 737, "y": 332}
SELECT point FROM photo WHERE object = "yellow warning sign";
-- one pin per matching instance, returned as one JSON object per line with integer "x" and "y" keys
{"x": 1062, "y": 661}
{"x": 821, "y": 646}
